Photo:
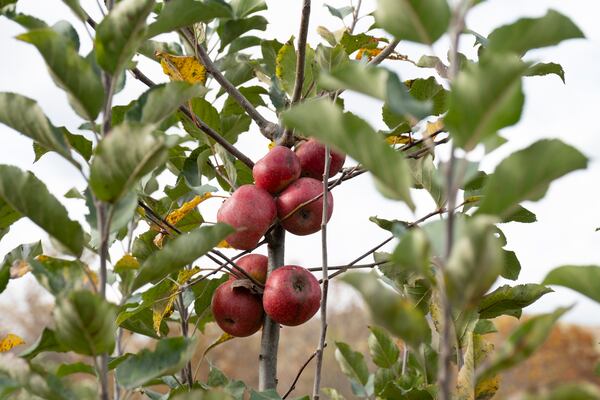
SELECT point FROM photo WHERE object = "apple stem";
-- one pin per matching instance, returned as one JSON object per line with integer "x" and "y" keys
{"x": 267, "y": 360}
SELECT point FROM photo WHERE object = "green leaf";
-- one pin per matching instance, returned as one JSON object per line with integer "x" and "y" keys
{"x": 25, "y": 116}
{"x": 74, "y": 368}
{"x": 23, "y": 253}
{"x": 522, "y": 343}
{"x": 270, "y": 394}
{"x": 333, "y": 394}
{"x": 168, "y": 357}
{"x": 45, "y": 343}
{"x": 425, "y": 175}
{"x": 421, "y": 21}
{"x": 120, "y": 34}
{"x": 510, "y": 300}
{"x": 352, "y": 363}
{"x": 527, "y": 174}
{"x": 285, "y": 67}
{"x": 243, "y": 8}
{"x": 352, "y": 135}
{"x": 512, "y": 266}
{"x": 160, "y": 101}
{"x": 533, "y": 33}
{"x": 181, "y": 13}
{"x": 235, "y": 28}
{"x": 541, "y": 69}
{"x": 521, "y": 214}
{"x": 180, "y": 252}
{"x": 203, "y": 291}
{"x": 85, "y": 323}
{"x": 128, "y": 153}
{"x": 410, "y": 259}
{"x": 70, "y": 71}
{"x": 57, "y": 275}
{"x": 341, "y": 12}
{"x": 485, "y": 97}
{"x": 384, "y": 351}
{"x": 475, "y": 262}
{"x": 8, "y": 215}
{"x": 399, "y": 316}
{"x": 76, "y": 8}
{"x": 29, "y": 196}
{"x": 583, "y": 279}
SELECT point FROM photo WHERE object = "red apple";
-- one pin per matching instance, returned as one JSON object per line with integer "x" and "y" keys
{"x": 255, "y": 265}
{"x": 236, "y": 310}
{"x": 275, "y": 171}
{"x": 251, "y": 210}
{"x": 292, "y": 295}
{"x": 311, "y": 154}
{"x": 307, "y": 219}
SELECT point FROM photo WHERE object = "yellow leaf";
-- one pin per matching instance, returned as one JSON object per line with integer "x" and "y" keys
{"x": 398, "y": 139}
{"x": 224, "y": 245}
{"x": 225, "y": 337}
{"x": 127, "y": 262}
{"x": 19, "y": 268}
{"x": 9, "y": 341}
{"x": 164, "y": 308}
{"x": 90, "y": 276}
{"x": 182, "y": 68}
{"x": 177, "y": 215}
{"x": 272, "y": 144}
{"x": 433, "y": 127}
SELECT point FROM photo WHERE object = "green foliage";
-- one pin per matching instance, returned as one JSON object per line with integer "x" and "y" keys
{"x": 384, "y": 351}
{"x": 85, "y": 323}
{"x": 507, "y": 300}
{"x": 43, "y": 208}
{"x": 117, "y": 166}
{"x": 120, "y": 34}
{"x": 421, "y": 21}
{"x": 525, "y": 175}
{"x": 181, "y": 13}
{"x": 168, "y": 357}
{"x": 533, "y": 33}
{"x": 70, "y": 71}
{"x": 583, "y": 279}
{"x": 180, "y": 252}
{"x": 485, "y": 97}
{"x": 352, "y": 135}
{"x": 21, "y": 254}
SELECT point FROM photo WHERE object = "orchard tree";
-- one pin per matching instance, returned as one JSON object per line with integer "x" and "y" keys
{"x": 430, "y": 298}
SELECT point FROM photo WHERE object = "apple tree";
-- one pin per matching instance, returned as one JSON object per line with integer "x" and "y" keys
{"x": 431, "y": 297}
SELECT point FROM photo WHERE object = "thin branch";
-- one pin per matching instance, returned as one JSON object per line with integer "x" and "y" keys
{"x": 387, "y": 50}
{"x": 325, "y": 279}
{"x": 267, "y": 128}
{"x": 200, "y": 124}
{"x": 302, "y": 368}
{"x": 355, "y": 17}
{"x": 338, "y": 267}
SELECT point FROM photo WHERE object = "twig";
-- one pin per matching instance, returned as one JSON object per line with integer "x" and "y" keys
{"x": 325, "y": 279}
{"x": 287, "y": 139}
{"x": 387, "y": 50}
{"x": 338, "y": 267}
{"x": 444, "y": 376}
{"x": 200, "y": 124}
{"x": 302, "y": 368}
{"x": 267, "y": 128}
{"x": 355, "y": 16}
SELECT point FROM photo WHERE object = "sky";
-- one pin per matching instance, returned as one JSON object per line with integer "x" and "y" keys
{"x": 567, "y": 216}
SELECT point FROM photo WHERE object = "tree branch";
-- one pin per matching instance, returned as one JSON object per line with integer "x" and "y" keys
{"x": 267, "y": 128}
{"x": 325, "y": 279}
{"x": 302, "y": 368}
{"x": 267, "y": 360}
{"x": 200, "y": 124}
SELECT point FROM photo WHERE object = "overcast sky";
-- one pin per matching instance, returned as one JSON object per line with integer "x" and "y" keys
{"x": 567, "y": 216}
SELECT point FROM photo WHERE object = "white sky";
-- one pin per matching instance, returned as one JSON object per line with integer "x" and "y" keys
{"x": 567, "y": 216}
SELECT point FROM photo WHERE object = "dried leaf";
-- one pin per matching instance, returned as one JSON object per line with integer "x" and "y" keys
{"x": 224, "y": 245}
{"x": 9, "y": 341}
{"x": 177, "y": 215}
{"x": 19, "y": 269}
{"x": 182, "y": 68}
{"x": 164, "y": 308}
{"x": 225, "y": 337}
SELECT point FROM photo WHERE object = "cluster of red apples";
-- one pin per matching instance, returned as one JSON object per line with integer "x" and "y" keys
{"x": 286, "y": 185}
